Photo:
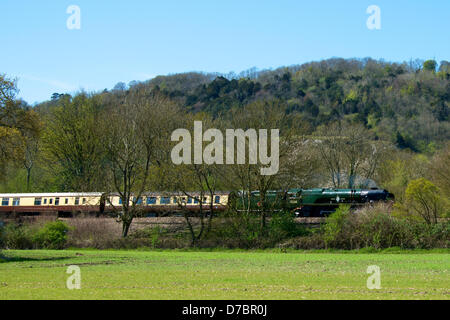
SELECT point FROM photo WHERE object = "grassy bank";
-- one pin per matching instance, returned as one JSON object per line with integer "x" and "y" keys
{"x": 223, "y": 275}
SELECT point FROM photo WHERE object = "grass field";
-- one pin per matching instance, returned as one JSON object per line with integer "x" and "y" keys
{"x": 223, "y": 275}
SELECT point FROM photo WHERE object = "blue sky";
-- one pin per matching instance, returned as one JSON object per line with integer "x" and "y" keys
{"x": 137, "y": 40}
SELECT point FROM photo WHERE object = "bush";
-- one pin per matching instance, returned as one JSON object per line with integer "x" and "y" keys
{"x": 282, "y": 226}
{"x": 52, "y": 236}
{"x": 334, "y": 224}
{"x": 368, "y": 228}
{"x": 92, "y": 232}
{"x": 244, "y": 231}
{"x": 153, "y": 234}
{"x": 424, "y": 199}
{"x": 374, "y": 226}
{"x": 16, "y": 236}
{"x": 234, "y": 231}
{"x": 313, "y": 241}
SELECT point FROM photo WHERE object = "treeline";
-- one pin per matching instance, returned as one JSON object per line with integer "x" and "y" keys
{"x": 343, "y": 123}
{"x": 406, "y": 104}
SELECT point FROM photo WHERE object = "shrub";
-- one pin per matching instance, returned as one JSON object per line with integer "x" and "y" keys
{"x": 16, "y": 236}
{"x": 424, "y": 199}
{"x": 374, "y": 226}
{"x": 52, "y": 236}
{"x": 244, "y": 231}
{"x": 334, "y": 224}
{"x": 234, "y": 232}
{"x": 282, "y": 225}
{"x": 313, "y": 241}
{"x": 92, "y": 232}
{"x": 153, "y": 234}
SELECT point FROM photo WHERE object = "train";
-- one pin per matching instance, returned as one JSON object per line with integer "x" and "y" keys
{"x": 70, "y": 204}
{"x": 318, "y": 202}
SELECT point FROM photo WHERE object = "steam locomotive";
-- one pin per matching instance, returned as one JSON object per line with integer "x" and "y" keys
{"x": 318, "y": 202}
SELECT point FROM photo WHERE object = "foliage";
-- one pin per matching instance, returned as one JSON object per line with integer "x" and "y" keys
{"x": 335, "y": 223}
{"x": 430, "y": 65}
{"x": 282, "y": 226}
{"x": 343, "y": 123}
{"x": 375, "y": 227}
{"x": 52, "y": 235}
{"x": 18, "y": 123}
{"x": 424, "y": 199}
{"x": 399, "y": 169}
{"x": 349, "y": 154}
{"x": 440, "y": 170}
{"x": 404, "y": 105}
{"x": 244, "y": 231}
{"x": 153, "y": 234}
{"x": 135, "y": 137}
{"x": 16, "y": 236}
{"x": 248, "y": 176}
{"x": 377, "y": 104}
{"x": 71, "y": 142}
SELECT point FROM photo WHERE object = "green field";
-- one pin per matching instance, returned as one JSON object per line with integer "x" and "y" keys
{"x": 223, "y": 275}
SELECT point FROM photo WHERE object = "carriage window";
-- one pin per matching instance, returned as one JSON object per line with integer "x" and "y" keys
{"x": 16, "y": 202}
{"x": 45, "y": 201}
{"x": 151, "y": 200}
{"x": 175, "y": 200}
{"x": 51, "y": 201}
{"x": 189, "y": 201}
{"x": 195, "y": 200}
{"x": 67, "y": 200}
{"x": 37, "y": 201}
{"x": 5, "y": 202}
{"x": 217, "y": 199}
{"x": 120, "y": 200}
{"x": 84, "y": 200}
{"x": 139, "y": 201}
{"x": 56, "y": 201}
{"x": 77, "y": 201}
{"x": 165, "y": 200}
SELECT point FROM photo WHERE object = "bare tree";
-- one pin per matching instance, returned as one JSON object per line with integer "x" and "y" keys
{"x": 136, "y": 134}
{"x": 348, "y": 152}
{"x": 196, "y": 181}
{"x": 31, "y": 149}
{"x": 248, "y": 177}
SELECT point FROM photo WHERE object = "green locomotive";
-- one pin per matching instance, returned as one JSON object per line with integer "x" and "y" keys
{"x": 318, "y": 202}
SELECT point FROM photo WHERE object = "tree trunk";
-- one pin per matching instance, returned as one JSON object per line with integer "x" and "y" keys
{"x": 262, "y": 200}
{"x": 125, "y": 228}
{"x": 191, "y": 229}
{"x": 263, "y": 221}
{"x": 28, "y": 179}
